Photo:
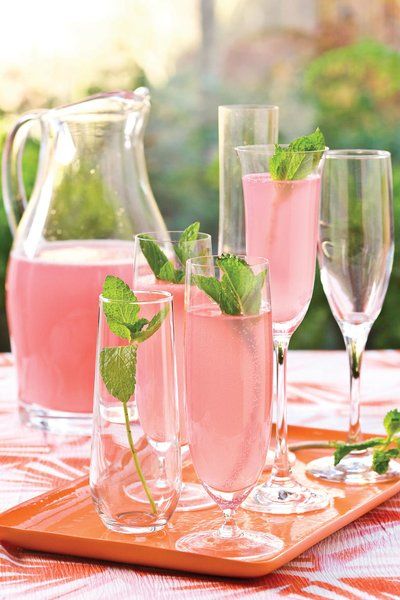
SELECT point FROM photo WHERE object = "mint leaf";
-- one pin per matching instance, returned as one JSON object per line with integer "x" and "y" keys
{"x": 391, "y": 422}
{"x": 294, "y": 162}
{"x": 168, "y": 273}
{"x": 115, "y": 288}
{"x": 278, "y": 163}
{"x": 159, "y": 263}
{"x": 229, "y": 300}
{"x": 240, "y": 287}
{"x": 312, "y": 142}
{"x": 118, "y": 329}
{"x": 137, "y": 327}
{"x": 120, "y": 309}
{"x": 252, "y": 301}
{"x": 184, "y": 247}
{"x": 209, "y": 285}
{"x": 153, "y": 326}
{"x": 239, "y": 291}
{"x": 381, "y": 459}
{"x": 157, "y": 259}
{"x": 163, "y": 268}
{"x": 118, "y": 371}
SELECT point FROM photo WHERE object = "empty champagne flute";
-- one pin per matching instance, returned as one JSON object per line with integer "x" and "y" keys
{"x": 239, "y": 124}
{"x": 229, "y": 365}
{"x": 355, "y": 255}
{"x": 282, "y": 225}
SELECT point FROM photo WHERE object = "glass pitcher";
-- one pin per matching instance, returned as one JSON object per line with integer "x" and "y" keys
{"x": 91, "y": 195}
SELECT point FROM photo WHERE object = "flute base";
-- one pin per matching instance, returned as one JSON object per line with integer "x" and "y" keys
{"x": 286, "y": 496}
{"x": 355, "y": 469}
{"x": 246, "y": 545}
{"x": 193, "y": 497}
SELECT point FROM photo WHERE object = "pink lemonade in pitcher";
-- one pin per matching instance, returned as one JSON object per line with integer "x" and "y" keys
{"x": 52, "y": 307}
{"x": 229, "y": 384}
{"x": 282, "y": 226}
{"x": 146, "y": 280}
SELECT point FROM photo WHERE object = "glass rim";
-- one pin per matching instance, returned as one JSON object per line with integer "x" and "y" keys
{"x": 250, "y": 106}
{"x": 357, "y": 153}
{"x": 156, "y": 235}
{"x": 256, "y": 261}
{"x": 163, "y": 298}
{"x": 270, "y": 148}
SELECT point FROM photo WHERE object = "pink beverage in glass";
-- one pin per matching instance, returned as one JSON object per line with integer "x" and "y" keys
{"x": 229, "y": 384}
{"x": 146, "y": 280}
{"x": 52, "y": 307}
{"x": 282, "y": 225}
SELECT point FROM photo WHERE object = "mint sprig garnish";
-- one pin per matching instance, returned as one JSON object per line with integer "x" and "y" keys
{"x": 294, "y": 161}
{"x": 162, "y": 267}
{"x": 118, "y": 363}
{"x": 385, "y": 448}
{"x": 118, "y": 370}
{"x": 238, "y": 291}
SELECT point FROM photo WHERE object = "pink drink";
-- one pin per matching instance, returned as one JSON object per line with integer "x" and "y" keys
{"x": 52, "y": 307}
{"x": 282, "y": 226}
{"x": 229, "y": 384}
{"x": 146, "y": 280}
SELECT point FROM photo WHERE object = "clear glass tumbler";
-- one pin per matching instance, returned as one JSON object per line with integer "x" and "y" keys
{"x": 355, "y": 254}
{"x": 135, "y": 471}
{"x": 229, "y": 366}
{"x": 282, "y": 225}
{"x": 239, "y": 124}
{"x": 177, "y": 252}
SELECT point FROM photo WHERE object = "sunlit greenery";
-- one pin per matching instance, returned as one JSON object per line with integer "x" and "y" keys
{"x": 354, "y": 94}
{"x": 355, "y": 91}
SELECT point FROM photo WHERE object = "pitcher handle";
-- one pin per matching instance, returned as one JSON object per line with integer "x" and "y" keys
{"x": 12, "y": 177}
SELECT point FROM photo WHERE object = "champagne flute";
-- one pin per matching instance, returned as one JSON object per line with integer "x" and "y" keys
{"x": 192, "y": 495}
{"x": 355, "y": 254}
{"x": 282, "y": 225}
{"x": 135, "y": 468}
{"x": 229, "y": 359}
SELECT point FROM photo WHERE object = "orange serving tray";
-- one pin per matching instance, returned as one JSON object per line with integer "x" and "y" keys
{"x": 64, "y": 521}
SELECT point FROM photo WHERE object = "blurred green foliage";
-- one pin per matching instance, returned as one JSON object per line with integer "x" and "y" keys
{"x": 182, "y": 156}
{"x": 29, "y": 169}
{"x": 354, "y": 91}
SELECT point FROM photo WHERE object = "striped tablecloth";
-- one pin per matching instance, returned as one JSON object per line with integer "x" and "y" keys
{"x": 361, "y": 561}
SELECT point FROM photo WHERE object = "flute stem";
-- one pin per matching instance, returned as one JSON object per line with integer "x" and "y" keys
{"x": 281, "y": 464}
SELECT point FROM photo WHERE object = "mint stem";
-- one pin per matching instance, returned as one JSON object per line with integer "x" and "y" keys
{"x": 136, "y": 460}
{"x": 310, "y": 445}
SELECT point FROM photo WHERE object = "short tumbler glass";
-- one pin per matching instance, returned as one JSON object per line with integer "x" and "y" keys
{"x": 135, "y": 471}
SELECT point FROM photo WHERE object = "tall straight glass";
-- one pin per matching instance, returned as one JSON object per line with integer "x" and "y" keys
{"x": 192, "y": 495}
{"x": 135, "y": 470}
{"x": 355, "y": 254}
{"x": 229, "y": 360}
{"x": 239, "y": 124}
{"x": 282, "y": 225}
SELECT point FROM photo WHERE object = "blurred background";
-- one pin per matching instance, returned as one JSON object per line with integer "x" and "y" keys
{"x": 331, "y": 63}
